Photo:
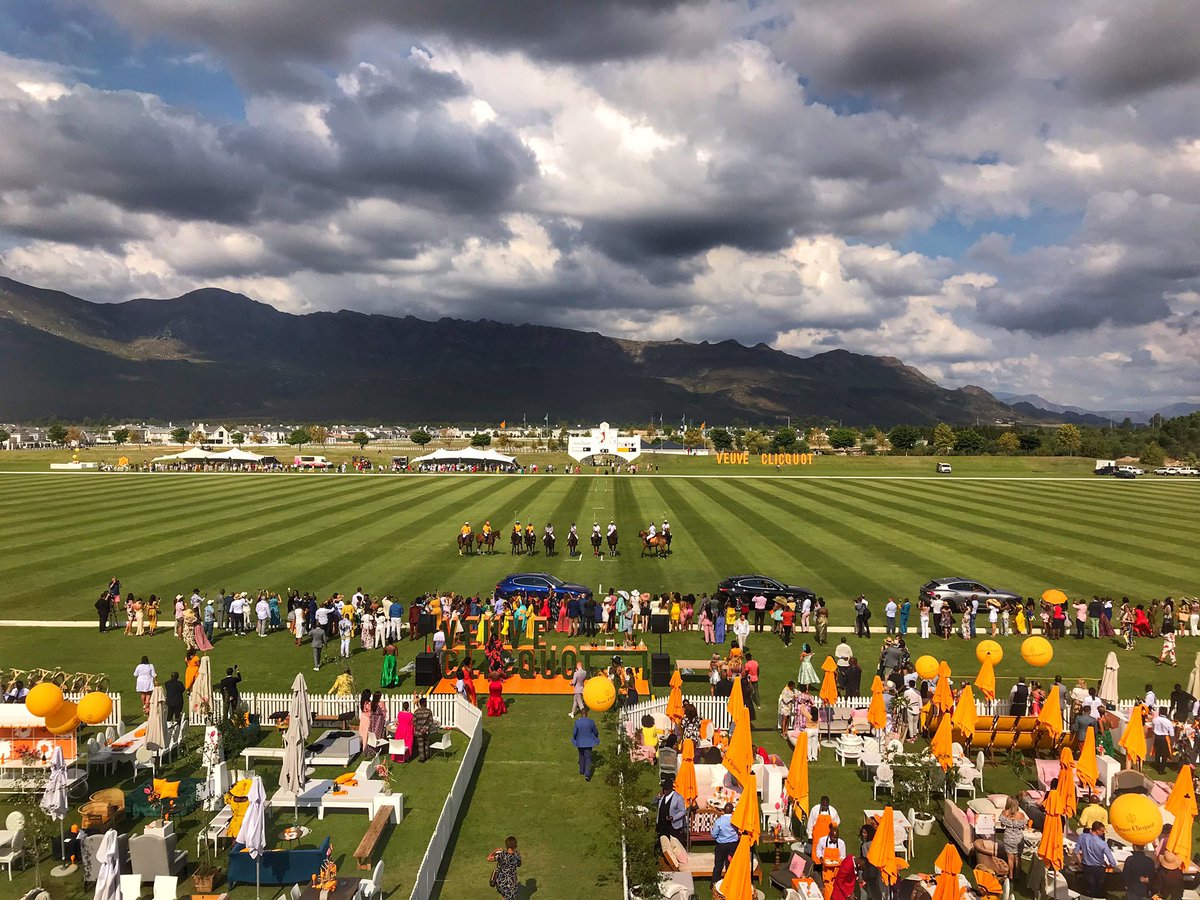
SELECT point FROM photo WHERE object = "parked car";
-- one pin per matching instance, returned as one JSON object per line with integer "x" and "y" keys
{"x": 944, "y": 468}
{"x": 310, "y": 462}
{"x": 1125, "y": 472}
{"x": 958, "y": 591}
{"x": 1167, "y": 470}
{"x": 1134, "y": 469}
{"x": 744, "y": 587}
{"x": 1188, "y": 470}
{"x": 539, "y": 584}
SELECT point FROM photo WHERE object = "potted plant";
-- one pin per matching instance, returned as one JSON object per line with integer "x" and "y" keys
{"x": 916, "y": 777}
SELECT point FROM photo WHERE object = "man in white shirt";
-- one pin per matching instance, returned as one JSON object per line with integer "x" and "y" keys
{"x": 759, "y": 602}
{"x": 822, "y": 809}
{"x": 237, "y": 613}
{"x": 262, "y": 610}
{"x": 1164, "y": 733}
{"x": 357, "y": 597}
{"x": 912, "y": 713}
{"x": 1151, "y": 699}
{"x": 741, "y": 629}
{"x": 889, "y": 612}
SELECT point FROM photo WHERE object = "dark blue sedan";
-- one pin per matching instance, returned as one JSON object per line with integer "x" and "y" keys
{"x": 539, "y": 584}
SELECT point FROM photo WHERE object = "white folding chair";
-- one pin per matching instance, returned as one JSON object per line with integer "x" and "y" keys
{"x": 110, "y": 734}
{"x": 373, "y": 886}
{"x": 849, "y": 746}
{"x": 131, "y": 887}
{"x": 965, "y": 785}
{"x": 442, "y": 745}
{"x": 980, "y": 762}
{"x": 14, "y": 851}
{"x": 883, "y": 779}
{"x": 397, "y": 747}
{"x": 166, "y": 887}
{"x": 145, "y": 758}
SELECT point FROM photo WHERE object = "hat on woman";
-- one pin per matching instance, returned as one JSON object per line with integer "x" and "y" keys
{"x": 1169, "y": 860}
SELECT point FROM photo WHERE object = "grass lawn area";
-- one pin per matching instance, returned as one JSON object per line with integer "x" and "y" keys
{"x": 65, "y": 535}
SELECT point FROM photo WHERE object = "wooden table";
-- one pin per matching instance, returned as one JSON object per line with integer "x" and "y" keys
{"x": 346, "y": 888}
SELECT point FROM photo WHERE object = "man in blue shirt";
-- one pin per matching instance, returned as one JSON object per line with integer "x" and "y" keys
{"x": 726, "y": 838}
{"x": 1094, "y": 855}
{"x": 395, "y": 619}
{"x": 586, "y": 738}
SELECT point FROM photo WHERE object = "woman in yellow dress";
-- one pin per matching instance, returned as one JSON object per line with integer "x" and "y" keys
{"x": 1019, "y": 622}
{"x": 481, "y": 634}
{"x": 152, "y": 614}
{"x": 435, "y": 609}
{"x": 193, "y": 666}
{"x": 730, "y": 616}
{"x": 676, "y": 611}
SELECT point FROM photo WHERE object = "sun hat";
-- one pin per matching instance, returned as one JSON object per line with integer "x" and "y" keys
{"x": 1169, "y": 860}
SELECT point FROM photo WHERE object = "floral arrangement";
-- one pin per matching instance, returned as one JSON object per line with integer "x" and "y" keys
{"x": 164, "y": 804}
{"x": 384, "y": 773}
{"x": 326, "y": 877}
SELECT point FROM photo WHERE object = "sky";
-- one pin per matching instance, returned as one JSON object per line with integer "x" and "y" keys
{"x": 1001, "y": 194}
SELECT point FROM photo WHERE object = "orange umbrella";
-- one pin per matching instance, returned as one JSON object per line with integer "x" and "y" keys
{"x": 1183, "y": 797}
{"x": 685, "y": 778}
{"x": 943, "y": 697}
{"x": 829, "y": 692}
{"x": 1050, "y": 850}
{"x": 986, "y": 679}
{"x": 739, "y": 755}
{"x": 1133, "y": 738}
{"x": 796, "y": 783}
{"x": 1179, "y": 841}
{"x": 736, "y": 883}
{"x": 735, "y": 703}
{"x": 1066, "y": 782}
{"x": 747, "y": 816}
{"x": 988, "y": 884}
{"x": 1051, "y": 715}
{"x": 674, "y": 709}
{"x": 942, "y": 744}
{"x": 948, "y": 860}
{"x": 964, "y": 713}
{"x": 883, "y": 849}
{"x": 876, "y": 712}
{"x": 1087, "y": 767}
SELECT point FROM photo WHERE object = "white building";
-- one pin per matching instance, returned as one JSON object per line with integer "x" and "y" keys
{"x": 603, "y": 441}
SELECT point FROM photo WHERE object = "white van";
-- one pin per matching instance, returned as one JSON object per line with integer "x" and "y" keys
{"x": 310, "y": 462}
{"x": 944, "y": 468}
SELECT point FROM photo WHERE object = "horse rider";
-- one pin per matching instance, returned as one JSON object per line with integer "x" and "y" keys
{"x": 573, "y": 534}
{"x": 651, "y": 532}
{"x": 487, "y": 527}
{"x": 549, "y": 530}
{"x": 596, "y": 538}
{"x": 463, "y": 534}
{"x": 612, "y": 528}
{"x": 666, "y": 533}
{"x": 517, "y": 528}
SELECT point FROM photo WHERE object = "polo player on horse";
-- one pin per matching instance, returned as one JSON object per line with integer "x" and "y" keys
{"x": 530, "y": 539}
{"x": 653, "y": 542}
{"x": 516, "y": 540}
{"x": 572, "y": 540}
{"x": 466, "y": 539}
{"x": 666, "y": 534}
{"x": 612, "y": 538}
{"x": 486, "y": 538}
{"x": 596, "y": 538}
{"x": 548, "y": 539}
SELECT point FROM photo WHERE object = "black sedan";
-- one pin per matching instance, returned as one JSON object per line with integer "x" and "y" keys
{"x": 745, "y": 587}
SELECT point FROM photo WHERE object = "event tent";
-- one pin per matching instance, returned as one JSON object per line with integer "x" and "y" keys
{"x": 466, "y": 455}
{"x": 240, "y": 455}
{"x": 192, "y": 454}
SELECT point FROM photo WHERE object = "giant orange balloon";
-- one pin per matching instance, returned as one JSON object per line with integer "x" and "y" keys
{"x": 1136, "y": 818}
{"x": 94, "y": 707}
{"x": 63, "y": 720}
{"x": 599, "y": 693}
{"x": 1037, "y": 651}
{"x": 44, "y": 698}
{"x": 926, "y": 666}
{"x": 989, "y": 649}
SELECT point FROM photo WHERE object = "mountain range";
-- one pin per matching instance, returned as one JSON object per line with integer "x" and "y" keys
{"x": 1034, "y": 404}
{"x": 214, "y": 354}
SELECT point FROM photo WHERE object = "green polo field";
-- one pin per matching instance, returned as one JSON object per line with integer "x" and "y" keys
{"x": 882, "y": 528}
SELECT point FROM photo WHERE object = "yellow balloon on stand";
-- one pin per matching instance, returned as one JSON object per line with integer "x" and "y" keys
{"x": 63, "y": 720}
{"x": 1136, "y": 818}
{"x": 44, "y": 698}
{"x": 926, "y": 666}
{"x": 1037, "y": 651}
{"x": 989, "y": 649}
{"x": 599, "y": 693}
{"x": 94, "y": 707}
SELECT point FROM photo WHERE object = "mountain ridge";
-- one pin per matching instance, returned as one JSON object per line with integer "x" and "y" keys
{"x": 212, "y": 353}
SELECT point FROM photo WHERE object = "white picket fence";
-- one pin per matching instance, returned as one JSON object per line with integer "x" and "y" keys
{"x": 713, "y": 708}
{"x": 469, "y": 720}
{"x": 263, "y": 704}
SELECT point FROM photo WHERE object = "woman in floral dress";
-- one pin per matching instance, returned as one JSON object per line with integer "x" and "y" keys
{"x": 507, "y": 861}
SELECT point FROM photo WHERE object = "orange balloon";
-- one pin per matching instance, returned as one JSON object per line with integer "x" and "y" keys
{"x": 1136, "y": 818}
{"x": 44, "y": 698}
{"x": 989, "y": 649}
{"x": 63, "y": 720}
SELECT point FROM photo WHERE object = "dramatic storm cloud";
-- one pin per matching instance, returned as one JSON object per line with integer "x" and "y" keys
{"x": 1000, "y": 194}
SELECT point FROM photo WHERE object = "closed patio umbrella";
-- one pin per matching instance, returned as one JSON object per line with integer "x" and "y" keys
{"x": 1088, "y": 767}
{"x": 877, "y": 712}
{"x": 55, "y": 802}
{"x": 736, "y": 884}
{"x": 739, "y": 755}
{"x": 1066, "y": 782}
{"x": 253, "y": 832}
{"x": 943, "y": 697}
{"x": 736, "y": 701}
{"x": 747, "y": 817}
{"x": 685, "y": 778}
{"x": 1179, "y": 841}
{"x": 964, "y": 714}
{"x": 1133, "y": 738}
{"x": 829, "y": 693}
{"x": 1051, "y": 717}
{"x": 1108, "y": 683}
{"x": 882, "y": 854}
{"x": 1182, "y": 800}
{"x": 156, "y": 726}
{"x": 948, "y": 865}
{"x": 942, "y": 745}
{"x": 298, "y": 706}
{"x": 986, "y": 679}
{"x": 674, "y": 710}
{"x": 796, "y": 783}
{"x": 1050, "y": 849}
{"x": 108, "y": 879}
{"x": 200, "y": 701}
{"x": 1193, "y": 684}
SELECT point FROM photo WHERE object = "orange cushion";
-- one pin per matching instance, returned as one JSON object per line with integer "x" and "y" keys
{"x": 165, "y": 788}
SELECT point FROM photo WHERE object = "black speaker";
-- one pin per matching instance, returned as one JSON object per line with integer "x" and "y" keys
{"x": 426, "y": 624}
{"x": 660, "y": 624}
{"x": 660, "y": 670}
{"x": 427, "y": 670}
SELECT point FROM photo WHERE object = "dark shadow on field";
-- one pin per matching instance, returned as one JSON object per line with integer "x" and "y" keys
{"x": 452, "y": 846}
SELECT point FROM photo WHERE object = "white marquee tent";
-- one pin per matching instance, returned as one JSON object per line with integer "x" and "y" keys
{"x": 196, "y": 454}
{"x": 466, "y": 455}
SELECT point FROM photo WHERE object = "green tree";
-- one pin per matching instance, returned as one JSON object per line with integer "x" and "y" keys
{"x": 756, "y": 442}
{"x": 1068, "y": 440}
{"x": 57, "y": 434}
{"x": 843, "y": 437}
{"x": 483, "y": 439}
{"x": 4, "y": 435}
{"x": 693, "y": 438}
{"x": 1008, "y": 443}
{"x": 1030, "y": 442}
{"x": 968, "y": 442}
{"x": 943, "y": 438}
{"x": 362, "y": 439}
{"x": 651, "y": 434}
{"x": 785, "y": 439}
{"x": 238, "y": 438}
{"x": 904, "y": 437}
{"x": 721, "y": 439}
{"x": 179, "y": 435}
{"x": 420, "y": 437}
{"x": 318, "y": 434}
{"x": 121, "y": 436}
{"x": 503, "y": 440}
{"x": 1152, "y": 454}
{"x": 299, "y": 438}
